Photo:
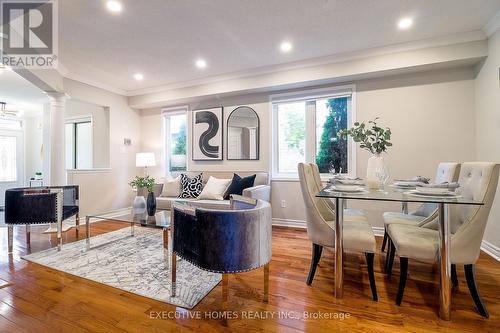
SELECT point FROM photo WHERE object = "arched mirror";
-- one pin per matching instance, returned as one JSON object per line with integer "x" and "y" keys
{"x": 243, "y": 134}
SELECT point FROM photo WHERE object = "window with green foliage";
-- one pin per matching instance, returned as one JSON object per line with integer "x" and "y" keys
{"x": 306, "y": 130}
{"x": 175, "y": 130}
{"x": 331, "y": 150}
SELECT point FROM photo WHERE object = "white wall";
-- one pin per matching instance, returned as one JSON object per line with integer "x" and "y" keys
{"x": 431, "y": 115}
{"x": 488, "y": 124}
{"x": 100, "y": 128}
{"x": 104, "y": 190}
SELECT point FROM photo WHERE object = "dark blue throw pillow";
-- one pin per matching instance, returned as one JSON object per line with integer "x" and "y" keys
{"x": 238, "y": 184}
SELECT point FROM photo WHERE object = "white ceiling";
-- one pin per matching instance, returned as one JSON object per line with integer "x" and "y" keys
{"x": 163, "y": 38}
{"x": 20, "y": 95}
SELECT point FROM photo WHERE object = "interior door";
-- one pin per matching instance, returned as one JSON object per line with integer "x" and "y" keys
{"x": 11, "y": 161}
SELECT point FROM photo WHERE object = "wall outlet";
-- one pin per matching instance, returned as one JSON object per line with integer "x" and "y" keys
{"x": 283, "y": 203}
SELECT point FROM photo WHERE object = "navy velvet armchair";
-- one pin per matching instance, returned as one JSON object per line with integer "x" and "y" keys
{"x": 224, "y": 241}
{"x": 41, "y": 205}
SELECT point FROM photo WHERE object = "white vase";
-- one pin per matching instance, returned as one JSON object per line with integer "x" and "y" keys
{"x": 376, "y": 166}
{"x": 139, "y": 205}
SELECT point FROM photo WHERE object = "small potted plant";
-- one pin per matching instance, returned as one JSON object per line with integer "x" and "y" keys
{"x": 140, "y": 183}
{"x": 376, "y": 140}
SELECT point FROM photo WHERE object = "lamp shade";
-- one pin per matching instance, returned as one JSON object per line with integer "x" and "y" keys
{"x": 145, "y": 159}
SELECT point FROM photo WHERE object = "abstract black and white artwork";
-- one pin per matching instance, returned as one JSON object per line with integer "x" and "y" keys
{"x": 207, "y": 134}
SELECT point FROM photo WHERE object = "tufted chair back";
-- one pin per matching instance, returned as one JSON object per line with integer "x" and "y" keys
{"x": 317, "y": 177}
{"x": 317, "y": 211}
{"x": 446, "y": 172}
{"x": 479, "y": 182}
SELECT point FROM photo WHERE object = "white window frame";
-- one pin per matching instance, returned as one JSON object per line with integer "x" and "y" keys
{"x": 165, "y": 160}
{"x": 310, "y": 151}
{"x": 82, "y": 119}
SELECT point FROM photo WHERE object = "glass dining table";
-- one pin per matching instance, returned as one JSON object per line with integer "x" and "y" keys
{"x": 404, "y": 196}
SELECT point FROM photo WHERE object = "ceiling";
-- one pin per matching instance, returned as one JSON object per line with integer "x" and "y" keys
{"x": 20, "y": 95}
{"x": 162, "y": 38}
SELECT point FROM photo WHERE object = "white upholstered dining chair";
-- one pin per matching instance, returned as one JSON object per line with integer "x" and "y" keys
{"x": 425, "y": 214}
{"x": 352, "y": 212}
{"x": 478, "y": 181}
{"x": 357, "y": 232}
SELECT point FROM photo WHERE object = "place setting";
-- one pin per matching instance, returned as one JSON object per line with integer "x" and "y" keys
{"x": 436, "y": 190}
{"x": 346, "y": 184}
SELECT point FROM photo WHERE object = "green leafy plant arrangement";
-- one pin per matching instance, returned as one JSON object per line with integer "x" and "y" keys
{"x": 143, "y": 182}
{"x": 371, "y": 137}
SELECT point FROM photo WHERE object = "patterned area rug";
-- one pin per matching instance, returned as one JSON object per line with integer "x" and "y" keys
{"x": 136, "y": 264}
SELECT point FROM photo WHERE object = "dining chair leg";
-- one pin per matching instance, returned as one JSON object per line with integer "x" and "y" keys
{"x": 10, "y": 237}
{"x": 28, "y": 234}
{"x": 403, "y": 263}
{"x": 454, "y": 277}
{"x": 384, "y": 242}
{"x": 389, "y": 246}
{"x": 391, "y": 259}
{"x": 470, "y": 276}
{"x": 316, "y": 255}
{"x": 371, "y": 275}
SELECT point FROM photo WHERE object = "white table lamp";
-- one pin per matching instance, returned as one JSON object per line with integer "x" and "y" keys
{"x": 145, "y": 160}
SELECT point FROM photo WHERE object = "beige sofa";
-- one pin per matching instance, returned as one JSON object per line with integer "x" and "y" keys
{"x": 261, "y": 189}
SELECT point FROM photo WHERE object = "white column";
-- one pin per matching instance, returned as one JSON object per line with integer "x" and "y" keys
{"x": 56, "y": 151}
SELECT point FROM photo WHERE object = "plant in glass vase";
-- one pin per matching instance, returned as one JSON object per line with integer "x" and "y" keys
{"x": 147, "y": 182}
{"x": 376, "y": 140}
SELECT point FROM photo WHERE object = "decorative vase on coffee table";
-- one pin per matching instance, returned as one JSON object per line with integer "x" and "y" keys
{"x": 151, "y": 204}
{"x": 139, "y": 205}
{"x": 376, "y": 165}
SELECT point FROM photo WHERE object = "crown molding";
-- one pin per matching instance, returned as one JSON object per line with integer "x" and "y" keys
{"x": 493, "y": 25}
{"x": 465, "y": 37}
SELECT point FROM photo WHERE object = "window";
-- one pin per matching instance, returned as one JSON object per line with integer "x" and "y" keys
{"x": 305, "y": 130}
{"x": 175, "y": 127}
{"x": 78, "y": 142}
{"x": 11, "y": 124}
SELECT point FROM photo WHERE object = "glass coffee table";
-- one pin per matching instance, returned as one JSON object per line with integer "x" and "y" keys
{"x": 161, "y": 220}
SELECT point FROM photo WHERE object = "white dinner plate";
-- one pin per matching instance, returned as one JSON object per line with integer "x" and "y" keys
{"x": 347, "y": 188}
{"x": 433, "y": 191}
{"x": 428, "y": 194}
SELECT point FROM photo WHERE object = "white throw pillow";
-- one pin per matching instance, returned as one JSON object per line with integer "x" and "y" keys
{"x": 171, "y": 187}
{"x": 214, "y": 189}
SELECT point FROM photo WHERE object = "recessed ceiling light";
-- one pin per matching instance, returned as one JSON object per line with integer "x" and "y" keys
{"x": 286, "y": 46}
{"x": 200, "y": 63}
{"x": 114, "y": 6}
{"x": 138, "y": 76}
{"x": 405, "y": 23}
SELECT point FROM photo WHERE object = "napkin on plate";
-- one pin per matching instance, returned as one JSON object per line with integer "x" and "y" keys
{"x": 451, "y": 186}
{"x": 417, "y": 179}
{"x": 345, "y": 180}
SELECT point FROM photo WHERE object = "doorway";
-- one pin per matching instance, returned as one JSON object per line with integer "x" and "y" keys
{"x": 11, "y": 158}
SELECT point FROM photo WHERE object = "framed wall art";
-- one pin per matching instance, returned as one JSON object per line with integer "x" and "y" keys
{"x": 207, "y": 134}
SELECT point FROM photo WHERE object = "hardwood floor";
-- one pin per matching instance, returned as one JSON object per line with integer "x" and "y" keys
{"x": 39, "y": 299}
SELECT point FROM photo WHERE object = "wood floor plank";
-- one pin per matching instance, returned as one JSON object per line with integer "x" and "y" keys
{"x": 40, "y": 299}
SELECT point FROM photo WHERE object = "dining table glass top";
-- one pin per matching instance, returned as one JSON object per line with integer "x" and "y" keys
{"x": 393, "y": 193}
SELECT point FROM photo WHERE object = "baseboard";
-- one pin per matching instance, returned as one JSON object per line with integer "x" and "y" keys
{"x": 378, "y": 231}
{"x": 289, "y": 223}
{"x": 492, "y": 250}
